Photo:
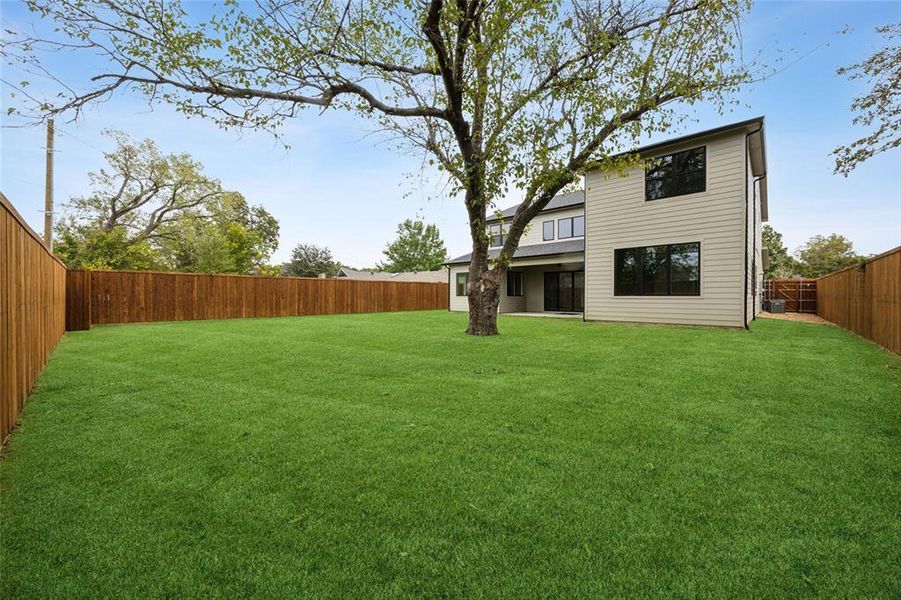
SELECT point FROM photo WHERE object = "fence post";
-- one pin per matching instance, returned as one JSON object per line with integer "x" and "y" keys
{"x": 78, "y": 300}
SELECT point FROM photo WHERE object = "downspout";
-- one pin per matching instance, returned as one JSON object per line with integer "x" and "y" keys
{"x": 754, "y": 246}
{"x": 584, "y": 242}
{"x": 744, "y": 300}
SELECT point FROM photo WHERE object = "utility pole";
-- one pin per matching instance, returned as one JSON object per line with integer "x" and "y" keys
{"x": 48, "y": 189}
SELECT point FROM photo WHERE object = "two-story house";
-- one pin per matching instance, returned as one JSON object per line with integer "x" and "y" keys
{"x": 675, "y": 241}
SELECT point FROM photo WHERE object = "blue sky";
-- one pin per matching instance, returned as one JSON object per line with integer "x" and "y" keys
{"x": 341, "y": 187}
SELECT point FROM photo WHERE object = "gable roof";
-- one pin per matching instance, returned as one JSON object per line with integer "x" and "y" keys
{"x": 439, "y": 276}
{"x": 559, "y": 201}
{"x": 533, "y": 251}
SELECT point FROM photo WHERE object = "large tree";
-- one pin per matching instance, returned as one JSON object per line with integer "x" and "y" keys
{"x": 824, "y": 254}
{"x": 498, "y": 93}
{"x": 149, "y": 210}
{"x": 880, "y": 108}
{"x": 418, "y": 247}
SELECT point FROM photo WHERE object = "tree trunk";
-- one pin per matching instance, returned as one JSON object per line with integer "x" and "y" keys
{"x": 484, "y": 298}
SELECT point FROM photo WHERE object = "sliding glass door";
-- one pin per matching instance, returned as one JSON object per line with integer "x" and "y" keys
{"x": 564, "y": 291}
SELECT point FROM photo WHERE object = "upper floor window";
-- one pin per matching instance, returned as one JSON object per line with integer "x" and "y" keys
{"x": 676, "y": 174}
{"x": 667, "y": 270}
{"x": 571, "y": 227}
{"x": 547, "y": 230}
{"x": 497, "y": 234}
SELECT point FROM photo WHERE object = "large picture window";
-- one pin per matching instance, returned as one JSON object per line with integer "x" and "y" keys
{"x": 514, "y": 283}
{"x": 676, "y": 174}
{"x": 571, "y": 227}
{"x": 462, "y": 284}
{"x": 666, "y": 270}
{"x": 497, "y": 234}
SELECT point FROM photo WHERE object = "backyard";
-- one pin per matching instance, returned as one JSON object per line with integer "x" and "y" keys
{"x": 391, "y": 455}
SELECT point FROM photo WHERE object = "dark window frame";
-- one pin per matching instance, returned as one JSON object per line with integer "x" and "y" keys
{"x": 465, "y": 282}
{"x": 577, "y": 301}
{"x": 675, "y": 182}
{"x": 572, "y": 227}
{"x": 638, "y": 286}
{"x": 496, "y": 240}
{"x": 515, "y": 277}
{"x": 544, "y": 235}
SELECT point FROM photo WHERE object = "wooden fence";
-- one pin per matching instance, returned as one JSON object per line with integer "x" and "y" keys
{"x": 32, "y": 311}
{"x": 100, "y": 297}
{"x": 866, "y": 299}
{"x": 800, "y": 295}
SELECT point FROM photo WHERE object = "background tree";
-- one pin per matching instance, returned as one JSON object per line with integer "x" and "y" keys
{"x": 310, "y": 260}
{"x": 418, "y": 247}
{"x": 83, "y": 246}
{"x": 507, "y": 93}
{"x": 230, "y": 237}
{"x": 147, "y": 210}
{"x": 880, "y": 108}
{"x": 825, "y": 254}
{"x": 781, "y": 262}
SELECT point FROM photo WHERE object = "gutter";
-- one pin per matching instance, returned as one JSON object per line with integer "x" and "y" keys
{"x": 754, "y": 245}
{"x": 748, "y": 193}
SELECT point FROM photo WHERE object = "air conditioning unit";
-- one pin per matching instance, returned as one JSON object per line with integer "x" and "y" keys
{"x": 777, "y": 306}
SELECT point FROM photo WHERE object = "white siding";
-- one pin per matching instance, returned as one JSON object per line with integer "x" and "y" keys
{"x": 617, "y": 216}
{"x": 507, "y": 304}
{"x": 457, "y": 302}
{"x": 534, "y": 233}
{"x": 512, "y": 303}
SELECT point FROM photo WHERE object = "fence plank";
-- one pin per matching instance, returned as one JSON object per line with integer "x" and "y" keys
{"x": 32, "y": 311}
{"x": 866, "y": 299}
{"x": 101, "y": 297}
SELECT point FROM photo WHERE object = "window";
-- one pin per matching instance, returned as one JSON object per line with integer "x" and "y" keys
{"x": 670, "y": 270}
{"x": 462, "y": 284}
{"x": 685, "y": 269}
{"x": 547, "y": 230}
{"x": 676, "y": 174}
{"x": 571, "y": 227}
{"x": 497, "y": 234}
{"x": 564, "y": 291}
{"x": 514, "y": 283}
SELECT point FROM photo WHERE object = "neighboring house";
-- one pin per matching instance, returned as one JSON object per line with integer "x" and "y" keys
{"x": 439, "y": 276}
{"x": 676, "y": 242}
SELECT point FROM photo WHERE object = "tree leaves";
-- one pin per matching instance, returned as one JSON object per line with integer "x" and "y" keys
{"x": 418, "y": 247}
{"x": 881, "y": 105}
{"x": 150, "y": 210}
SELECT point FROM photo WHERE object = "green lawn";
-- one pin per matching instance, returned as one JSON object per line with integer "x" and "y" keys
{"x": 390, "y": 455}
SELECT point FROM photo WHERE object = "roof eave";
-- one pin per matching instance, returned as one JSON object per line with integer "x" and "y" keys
{"x": 747, "y": 125}
{"x": 757, "y": 155}
{"x": 466, "y": 262}
{"x": 542, "y": 212}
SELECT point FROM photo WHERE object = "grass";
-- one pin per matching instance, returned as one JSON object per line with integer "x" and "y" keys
{"x": 390, "y": 455}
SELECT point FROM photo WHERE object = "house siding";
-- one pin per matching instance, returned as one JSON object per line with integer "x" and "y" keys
{"x": 617, "y": 216}
{"x": 533, "y": 233}
{"x": 507, "y": 303}
{"x": 754, "y": 252}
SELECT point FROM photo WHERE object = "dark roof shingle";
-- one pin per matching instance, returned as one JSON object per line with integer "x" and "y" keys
{"x": 533, "y": 251}
{"x": 559, "y": 201}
